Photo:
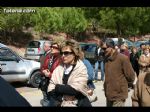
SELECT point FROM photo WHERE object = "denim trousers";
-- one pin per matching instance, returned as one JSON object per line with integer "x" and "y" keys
{"x": 97, "y": 65}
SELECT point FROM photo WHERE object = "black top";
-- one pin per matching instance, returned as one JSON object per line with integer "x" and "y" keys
{"x": 10, "y": 97}
{"x": 68, "y": 90}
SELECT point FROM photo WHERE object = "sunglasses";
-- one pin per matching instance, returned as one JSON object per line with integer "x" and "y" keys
{"x": 66, "y": 53}
{"x": 104, "y": 49}
{"x": 54, "y": 47}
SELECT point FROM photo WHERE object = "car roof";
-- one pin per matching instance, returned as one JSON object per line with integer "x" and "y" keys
{"x": 40, "y": 40}
{"x": 2, "y": 45}
{"x": 147, "y": 42}
{"x": 87, "y": 43}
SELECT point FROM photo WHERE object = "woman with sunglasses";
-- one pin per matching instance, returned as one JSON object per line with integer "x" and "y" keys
{"x": 69, "y": 80}
{"x": 50, "y": 62}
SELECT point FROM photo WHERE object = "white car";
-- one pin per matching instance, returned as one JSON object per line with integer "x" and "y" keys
{"x": 35, "y": 49}
{"x": 14, "y": 68}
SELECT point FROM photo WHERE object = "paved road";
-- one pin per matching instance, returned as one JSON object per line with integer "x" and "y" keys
{"x": 34, "y": 96}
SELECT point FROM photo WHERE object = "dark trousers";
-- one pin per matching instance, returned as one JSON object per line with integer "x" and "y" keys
{"x": 83, "y": 101}
{"x": 44, "y": 87}
{"x": 45, "y": 95}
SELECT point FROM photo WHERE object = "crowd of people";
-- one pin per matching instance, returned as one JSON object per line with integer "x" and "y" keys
{"x": 72, "y": 78}
{"x": 68, "y": 78}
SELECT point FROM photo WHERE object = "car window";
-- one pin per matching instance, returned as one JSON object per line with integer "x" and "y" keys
{"x": 88, "y": 48}
{"x": 6, "y": 55}
{"x": 34, "y": 44}
{"x": 129, "y": 43}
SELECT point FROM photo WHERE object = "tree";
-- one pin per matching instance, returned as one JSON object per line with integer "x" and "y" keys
{"x": 126, "y": 21}
{"x": 73, "y": 20}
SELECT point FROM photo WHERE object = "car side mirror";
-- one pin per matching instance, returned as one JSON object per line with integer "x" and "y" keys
{"x": 17, "y": 60}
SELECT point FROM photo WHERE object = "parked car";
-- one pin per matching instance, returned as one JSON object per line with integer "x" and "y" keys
{"x": 138, "y": 43}
{"x": 89, "y": 49}
{"x": 118, "y": 41}
{"x": 34, "y": 49}
{"x": 13, "y": 68}
{"x": 147, "y": 42}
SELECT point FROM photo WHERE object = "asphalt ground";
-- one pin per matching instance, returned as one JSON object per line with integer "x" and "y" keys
{"x": 34, "y": 96}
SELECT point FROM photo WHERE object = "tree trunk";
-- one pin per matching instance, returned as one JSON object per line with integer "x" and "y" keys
{"x": 118, "y": 29}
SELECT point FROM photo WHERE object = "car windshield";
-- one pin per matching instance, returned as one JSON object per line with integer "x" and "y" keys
{"x": 129, "y": 43}
{"x": 138, "y": 43}
{"x": 34, "y": 44}
{"x": 6, "y": 55}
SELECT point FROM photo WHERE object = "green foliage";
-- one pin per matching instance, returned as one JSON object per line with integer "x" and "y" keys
{"x": 73, "y": 20}
{"x": 124, "y": 21}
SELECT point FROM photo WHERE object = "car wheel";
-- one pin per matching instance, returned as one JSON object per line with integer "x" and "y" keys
{"x": 35, "y": 79}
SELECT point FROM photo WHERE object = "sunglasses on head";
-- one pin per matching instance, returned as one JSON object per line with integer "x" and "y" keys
{"x": 66, "y": 53}
{"x": 54, "y": 47}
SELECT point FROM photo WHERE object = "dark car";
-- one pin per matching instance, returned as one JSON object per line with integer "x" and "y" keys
{"x": 89, "y": 49}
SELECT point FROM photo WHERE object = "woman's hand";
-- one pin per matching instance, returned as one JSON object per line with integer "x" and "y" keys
{"x": 46, "y": 72}
{"x": 90, "y": 92}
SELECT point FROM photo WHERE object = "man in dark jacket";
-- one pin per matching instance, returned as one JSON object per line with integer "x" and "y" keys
{"x": 118, "y": 75}
{"x": 99, "y": 62}
{"x": 9, "y": 97}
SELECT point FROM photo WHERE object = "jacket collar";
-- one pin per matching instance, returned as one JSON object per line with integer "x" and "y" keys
{"x": 113, "y": 57}
{"x": 48, "y": 52}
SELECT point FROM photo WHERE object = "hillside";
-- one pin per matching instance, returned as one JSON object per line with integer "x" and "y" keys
{"x": 20, "y": 51}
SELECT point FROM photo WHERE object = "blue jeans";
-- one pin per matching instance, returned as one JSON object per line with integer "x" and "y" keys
{"x": 101, "y": 63}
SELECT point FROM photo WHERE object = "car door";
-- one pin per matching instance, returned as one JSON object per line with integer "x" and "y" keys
{"x": 13, "y": 68}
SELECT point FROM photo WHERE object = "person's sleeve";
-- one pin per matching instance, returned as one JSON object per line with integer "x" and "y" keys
{"x": 66, "y": 89}
{"x": 128, "y": 71}
{"x": 135, "y": 96}
{"x": 90, "y": 70}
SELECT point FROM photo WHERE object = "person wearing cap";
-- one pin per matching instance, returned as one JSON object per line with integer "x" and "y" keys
{"x": 69, "y": 80}
{"x": 118, "y": 75}
{"x": 49, "y": 62}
